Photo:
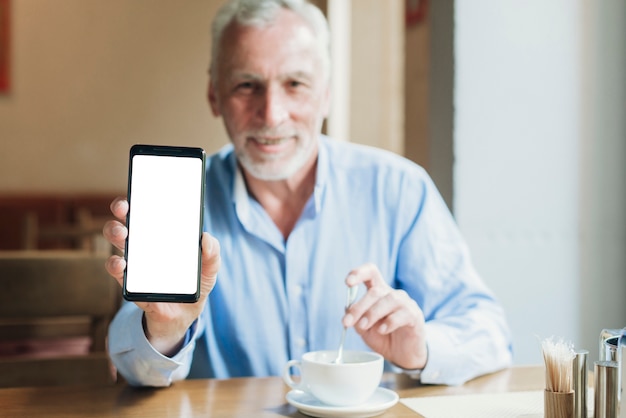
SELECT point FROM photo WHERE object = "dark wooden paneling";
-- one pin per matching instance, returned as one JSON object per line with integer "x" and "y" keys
{"x": 49, "y": 211}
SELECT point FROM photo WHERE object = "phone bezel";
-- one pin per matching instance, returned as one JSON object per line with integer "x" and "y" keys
{"x": 170, "y": 151}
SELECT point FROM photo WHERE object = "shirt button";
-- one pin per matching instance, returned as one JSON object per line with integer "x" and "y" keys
{"x": 300, "y": 342}
{"x": 297, "y": 290}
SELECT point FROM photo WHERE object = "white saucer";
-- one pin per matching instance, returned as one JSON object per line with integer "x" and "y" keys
{"x": 380, "y": 401}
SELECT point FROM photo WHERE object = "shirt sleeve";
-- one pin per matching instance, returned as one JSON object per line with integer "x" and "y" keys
{"x": 136, "y": 360}
{"x": 466, "y": 330}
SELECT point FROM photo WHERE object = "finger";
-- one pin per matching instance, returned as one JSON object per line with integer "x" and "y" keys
{"x": 401, "y": 318}
{"x": 115, "y": 266}
{"x": 371, "y": 276}
{"x": 367, "y": 274}
{"x": 359, "y": 313}
{"x": 119, "y": 208}
{"x": 115, "y": 232}
{"x": 211, "y": 261}
{"x": 395, "y": 310}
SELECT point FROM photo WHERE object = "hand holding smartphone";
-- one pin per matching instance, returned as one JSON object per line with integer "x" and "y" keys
{"x": 165, "y": 217}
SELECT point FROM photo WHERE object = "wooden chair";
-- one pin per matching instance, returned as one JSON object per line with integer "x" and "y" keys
{"x": 49, "y": 300}
{"x": 83, "y": 234}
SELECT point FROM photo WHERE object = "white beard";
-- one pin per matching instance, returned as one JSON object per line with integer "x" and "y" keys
{"x": 270, "y": 169}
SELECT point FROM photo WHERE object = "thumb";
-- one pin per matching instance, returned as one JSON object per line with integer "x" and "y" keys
{"x": 211, "y": 261}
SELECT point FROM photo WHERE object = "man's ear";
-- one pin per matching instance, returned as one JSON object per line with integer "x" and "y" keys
{"x": 213, "y": 101}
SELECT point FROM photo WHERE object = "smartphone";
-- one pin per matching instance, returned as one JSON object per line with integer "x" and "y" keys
{"x": 165, "y": 209}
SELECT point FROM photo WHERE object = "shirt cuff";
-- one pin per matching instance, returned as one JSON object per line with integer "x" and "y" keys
{"x": 412, "y": 373}
{"x": 444, "y": 362}
{"x": 137, "y": 360}
{"x": 191, "y": 332}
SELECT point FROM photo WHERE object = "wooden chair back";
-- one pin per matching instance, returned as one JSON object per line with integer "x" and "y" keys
{"x": 47, "y": 298}
{"x": 83, "y": 234}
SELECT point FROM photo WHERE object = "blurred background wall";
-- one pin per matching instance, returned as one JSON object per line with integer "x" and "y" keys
{"x": 90, "y": 78}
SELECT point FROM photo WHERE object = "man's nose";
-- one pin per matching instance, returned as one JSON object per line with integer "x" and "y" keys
{"x": 273, "y": 109}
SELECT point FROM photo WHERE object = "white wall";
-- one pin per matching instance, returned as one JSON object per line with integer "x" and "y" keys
{"x": 533, "y": 159}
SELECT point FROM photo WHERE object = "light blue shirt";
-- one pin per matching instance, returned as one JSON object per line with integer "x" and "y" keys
{"x": 276, "y": 299}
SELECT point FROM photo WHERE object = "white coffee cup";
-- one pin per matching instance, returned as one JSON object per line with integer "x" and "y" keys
{"x": 349, "y": 383}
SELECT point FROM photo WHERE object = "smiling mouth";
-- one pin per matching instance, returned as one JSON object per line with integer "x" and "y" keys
{"x": 271, "y": 141}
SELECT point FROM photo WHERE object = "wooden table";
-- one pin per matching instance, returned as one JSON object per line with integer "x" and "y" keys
{"x": 245, "y": 397}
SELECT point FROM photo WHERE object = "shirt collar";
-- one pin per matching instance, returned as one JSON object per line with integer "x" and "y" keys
{"x": 321, "y": 176}
{"x": 240, "y": 192}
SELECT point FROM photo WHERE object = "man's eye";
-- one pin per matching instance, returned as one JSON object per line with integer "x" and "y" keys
{"x": 294, "y": 84}
{"x": 245, "y": 86}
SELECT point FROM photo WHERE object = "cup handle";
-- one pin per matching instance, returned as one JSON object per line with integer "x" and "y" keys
{"x": 287, "y": 374}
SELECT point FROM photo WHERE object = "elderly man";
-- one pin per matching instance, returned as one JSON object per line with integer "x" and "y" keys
{"x": 291, "y": 218}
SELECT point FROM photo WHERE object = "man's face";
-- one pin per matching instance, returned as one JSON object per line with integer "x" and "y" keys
{"x": 272, "y": 92}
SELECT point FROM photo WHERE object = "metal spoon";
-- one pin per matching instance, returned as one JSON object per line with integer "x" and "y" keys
{"x": 352, "y": 291}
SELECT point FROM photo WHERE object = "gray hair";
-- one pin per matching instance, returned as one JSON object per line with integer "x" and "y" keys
{"x": 260, "y": 13}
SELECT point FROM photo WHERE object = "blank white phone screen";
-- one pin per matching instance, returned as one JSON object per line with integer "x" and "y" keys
{"x": 164, "y": 225}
